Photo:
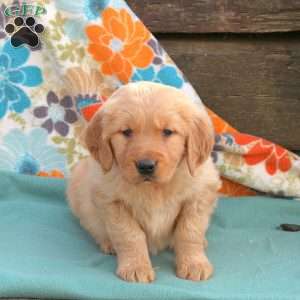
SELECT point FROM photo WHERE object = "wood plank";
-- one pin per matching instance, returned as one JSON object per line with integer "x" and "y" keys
{"x": 201, "y": 16}
{"x": 252, "y": 82}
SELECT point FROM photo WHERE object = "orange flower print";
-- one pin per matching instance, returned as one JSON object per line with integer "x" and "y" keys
{"x": 219, "y": 124}
{"x": 233, "y": 189}
{"x": 53, "y": 173}
{"x": 89, "y": 111}
{"x": 275, "y": 157}
{"x": 120, "y": 44}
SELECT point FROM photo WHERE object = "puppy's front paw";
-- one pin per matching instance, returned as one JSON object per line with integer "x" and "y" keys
{"x": 136, "y": 273}
{"x": 194, "y": 269}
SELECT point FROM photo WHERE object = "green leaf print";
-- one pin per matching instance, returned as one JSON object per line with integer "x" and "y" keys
{"x": 18, "y": 119}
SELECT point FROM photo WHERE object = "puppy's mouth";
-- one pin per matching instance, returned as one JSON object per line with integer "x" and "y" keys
{"x": 148, "y": 178}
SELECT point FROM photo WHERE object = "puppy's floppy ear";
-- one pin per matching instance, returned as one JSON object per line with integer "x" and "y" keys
{"x": 200, "y": 141}
{"x": 97, "y": 144}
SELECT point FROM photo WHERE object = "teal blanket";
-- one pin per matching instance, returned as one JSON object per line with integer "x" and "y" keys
{"x": 45, "y": 254}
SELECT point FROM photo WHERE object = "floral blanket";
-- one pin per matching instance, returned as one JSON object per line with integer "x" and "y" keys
{"x": 60, "y": 61}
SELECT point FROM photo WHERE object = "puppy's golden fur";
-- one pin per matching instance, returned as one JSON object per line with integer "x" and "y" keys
{"x": 130, "y": 214}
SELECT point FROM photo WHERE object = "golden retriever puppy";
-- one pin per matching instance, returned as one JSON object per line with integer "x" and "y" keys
{"x": 150, "y": 182}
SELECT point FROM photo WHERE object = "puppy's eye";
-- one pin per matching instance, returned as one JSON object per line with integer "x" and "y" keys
{"x": 167, "y": 132}
{"x": 127, "y": 132}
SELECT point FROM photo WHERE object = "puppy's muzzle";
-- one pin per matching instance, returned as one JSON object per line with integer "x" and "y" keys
{"x": 146, "y": 167}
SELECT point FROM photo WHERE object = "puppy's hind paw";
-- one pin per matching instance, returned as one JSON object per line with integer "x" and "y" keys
{"x": 139, "y": 273}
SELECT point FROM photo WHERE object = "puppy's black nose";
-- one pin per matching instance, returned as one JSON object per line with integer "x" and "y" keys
{"x": 146, "y": 166}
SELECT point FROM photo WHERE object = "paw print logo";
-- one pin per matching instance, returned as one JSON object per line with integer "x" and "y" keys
{"x": 24, "y": 32}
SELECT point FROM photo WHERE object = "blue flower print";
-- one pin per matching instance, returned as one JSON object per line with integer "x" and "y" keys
{"x": 29, "y": 154}
{"x": 228, "y": 139}
{"x": 217, "y": 148}
{"x": 14, "y": 75}
{"x": 166, "y": 75}
{"x": 92, "y": 8}
{"x": 81, "y": 11}
{"x": 86, "y": 100}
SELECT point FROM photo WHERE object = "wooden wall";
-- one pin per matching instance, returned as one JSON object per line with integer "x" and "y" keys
{"x": 242, "y": 56}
